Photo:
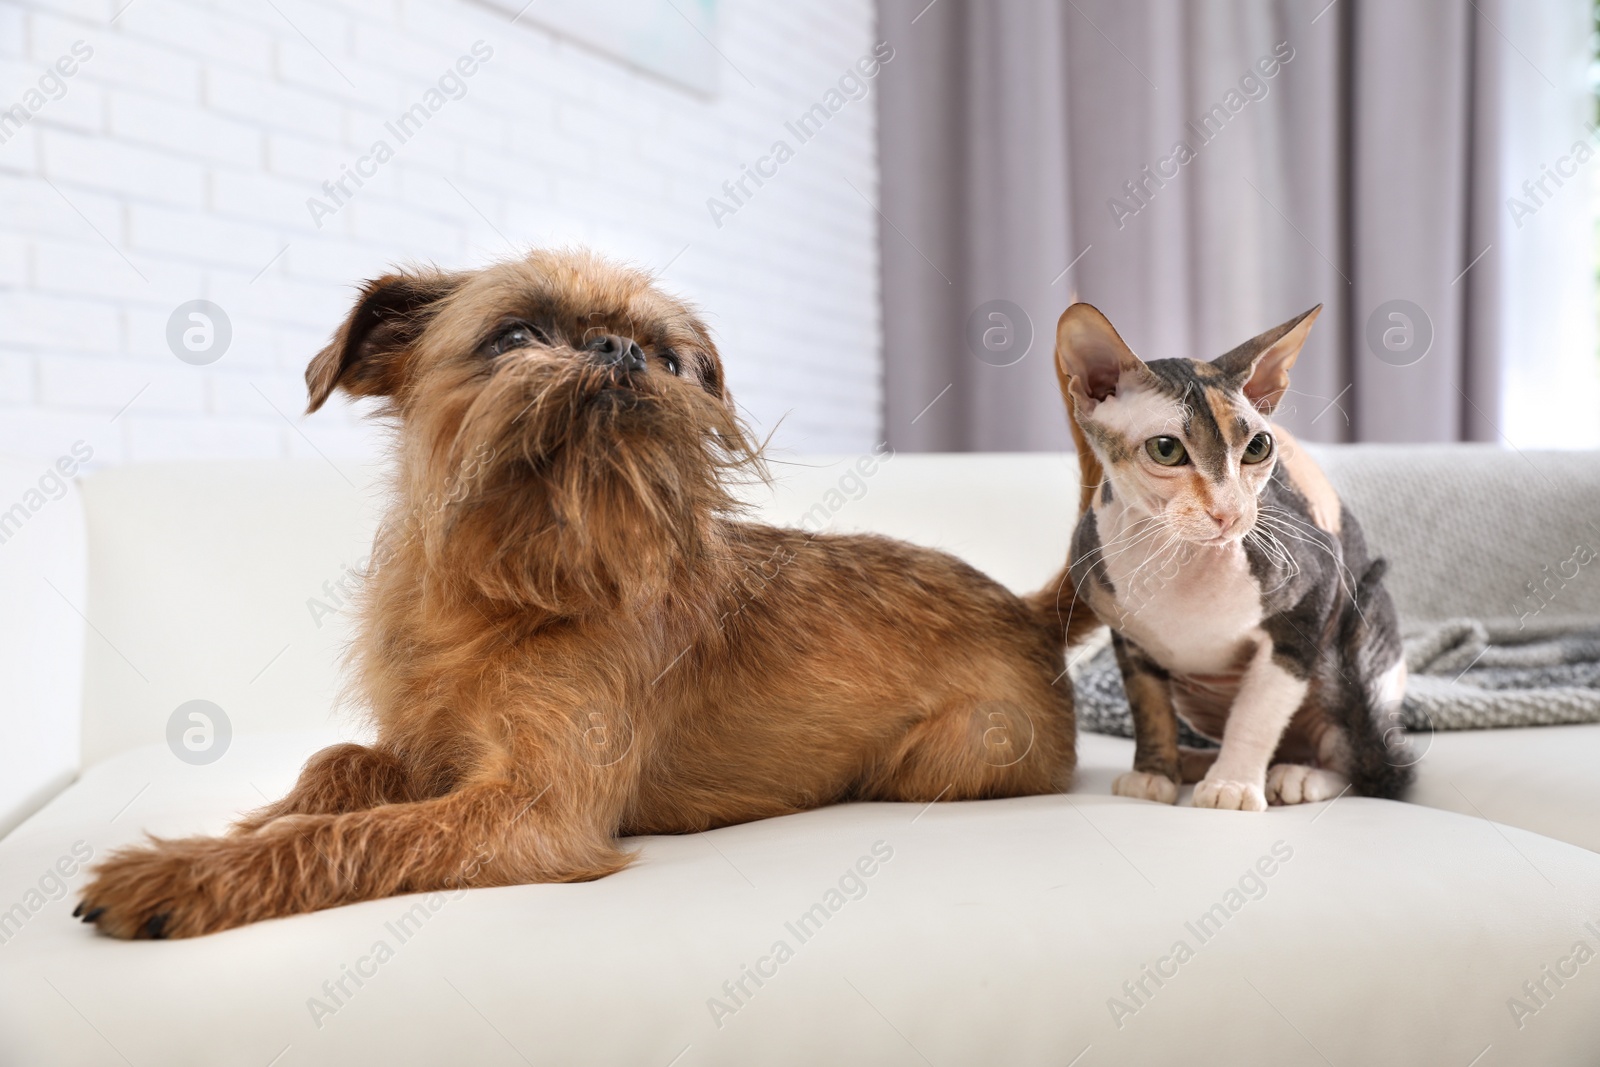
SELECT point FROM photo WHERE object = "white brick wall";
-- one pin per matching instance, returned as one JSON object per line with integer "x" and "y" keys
{"x": 178, "y": 163}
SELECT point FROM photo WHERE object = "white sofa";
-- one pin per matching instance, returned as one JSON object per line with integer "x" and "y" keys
{"x": 1082, "y": 929}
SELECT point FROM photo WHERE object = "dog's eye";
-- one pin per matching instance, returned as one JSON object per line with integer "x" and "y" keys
{"x": 670, "y": 359}
{"x": 515, "y": 335}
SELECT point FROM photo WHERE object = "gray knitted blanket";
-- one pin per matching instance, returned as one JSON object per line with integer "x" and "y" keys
{"x": 1471, "y": 675}
{"x": 1465, "y": 674}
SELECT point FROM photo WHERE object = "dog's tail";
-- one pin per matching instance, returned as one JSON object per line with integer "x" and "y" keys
{"x": 1059, "y": 611}
{"x": 1056, "y": 605}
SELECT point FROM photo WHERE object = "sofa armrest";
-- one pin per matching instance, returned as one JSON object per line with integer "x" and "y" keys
{"x": 43, "y": 570}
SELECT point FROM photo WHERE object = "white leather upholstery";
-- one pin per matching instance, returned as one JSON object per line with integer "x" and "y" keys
{"x": 41, "y": 635}
{"x": 998, "y": 932}
{"x": 1545, "y": 779}
{"x": 200, "y": 578}
{"x": 1009, "y": 515}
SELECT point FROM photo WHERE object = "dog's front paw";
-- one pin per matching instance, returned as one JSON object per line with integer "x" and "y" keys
{"x": 1227, "y": 795}
{"x": 150, "y": 891}
{"x": 1142, "y": 785}
{"x": 1295, "y": 783}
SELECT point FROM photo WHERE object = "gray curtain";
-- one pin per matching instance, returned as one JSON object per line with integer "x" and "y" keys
{"x": 1345, "y": 154}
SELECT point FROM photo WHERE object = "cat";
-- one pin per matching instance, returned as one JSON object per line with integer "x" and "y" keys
{"x": 1238, "y": 588}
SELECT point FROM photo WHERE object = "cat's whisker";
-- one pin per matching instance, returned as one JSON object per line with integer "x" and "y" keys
{"x": 1133, "y": 529}
{"x": 1277, "y": 553}
{"x": 1172, "y": 542}
{"x": 1270, "y": 532}
{"x": 1296, "y": 527}
{"x": 1265, "y": 533}
{"x": 1133, "y": 535}
{"x": 1138, "y": 532}
{"x": 1345, "y": 577}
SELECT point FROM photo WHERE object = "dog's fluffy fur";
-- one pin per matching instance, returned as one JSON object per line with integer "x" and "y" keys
{"x": 568, "y": 638}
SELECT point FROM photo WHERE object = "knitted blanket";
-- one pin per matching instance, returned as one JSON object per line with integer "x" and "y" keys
{"x": 1465, "y": 674}
{"x": 1470, "y": 675}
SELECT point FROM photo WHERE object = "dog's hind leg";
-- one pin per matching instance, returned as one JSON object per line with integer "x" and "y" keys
{"x": 340, "y": 778}
{"x": 973, "y": 749}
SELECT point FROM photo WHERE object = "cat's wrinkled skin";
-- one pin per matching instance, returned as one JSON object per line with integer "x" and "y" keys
{"x": 1239, "y": 590}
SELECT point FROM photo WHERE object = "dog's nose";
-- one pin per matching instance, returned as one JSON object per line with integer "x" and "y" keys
{"x": 613, "y": 351}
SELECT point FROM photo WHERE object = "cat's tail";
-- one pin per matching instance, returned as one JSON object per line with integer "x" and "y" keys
{"x": 1059, "y": 611}
{"x": 1382, "y": 763}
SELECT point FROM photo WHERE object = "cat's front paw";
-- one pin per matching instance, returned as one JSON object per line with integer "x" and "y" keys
{"x": 1295, "y": 783}
{"x": 1226, "y": 795}
{"x": 1141, "y": 785}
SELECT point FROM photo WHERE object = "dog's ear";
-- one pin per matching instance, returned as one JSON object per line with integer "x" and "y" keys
{"x": 1265, "y": 359}
{"x": 365, "y": 355}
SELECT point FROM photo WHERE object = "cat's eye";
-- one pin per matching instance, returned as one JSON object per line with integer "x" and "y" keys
{"x": 515, "y": 335}
{"x": 1259, "y": 448}
{"x": 1167, "y": 451}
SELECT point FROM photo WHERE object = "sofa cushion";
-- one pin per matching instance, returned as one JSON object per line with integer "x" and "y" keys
{"x": 1044, "y": 930}
{"x": 1541, "y": 778}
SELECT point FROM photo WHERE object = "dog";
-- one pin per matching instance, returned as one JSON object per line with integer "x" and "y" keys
{"x": 569, "y": 636}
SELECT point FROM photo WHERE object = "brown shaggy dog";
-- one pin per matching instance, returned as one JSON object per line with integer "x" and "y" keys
{"x": 567, "y": 637}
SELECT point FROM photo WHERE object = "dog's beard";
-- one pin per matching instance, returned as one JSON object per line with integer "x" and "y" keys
{"x": 565, "y": 487}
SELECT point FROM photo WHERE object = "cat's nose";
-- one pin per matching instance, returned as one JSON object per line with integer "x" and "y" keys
{"x": 1225, "y": 520}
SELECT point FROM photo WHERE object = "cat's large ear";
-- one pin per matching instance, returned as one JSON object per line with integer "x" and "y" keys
{"x": 364, "y": 357}
{"x": 1091, "y": 359}
{"x": 1265, "y": 359}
